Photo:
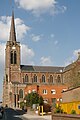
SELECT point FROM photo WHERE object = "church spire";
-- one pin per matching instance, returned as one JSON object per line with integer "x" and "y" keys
{"x": 12, "y": 30}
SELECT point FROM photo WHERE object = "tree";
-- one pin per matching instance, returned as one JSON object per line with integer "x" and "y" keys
{"x": 33, "y": 98}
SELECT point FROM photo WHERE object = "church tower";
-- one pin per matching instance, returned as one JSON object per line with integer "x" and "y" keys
{"x": 12, "y": 55}
{"x": 12, "y": 69}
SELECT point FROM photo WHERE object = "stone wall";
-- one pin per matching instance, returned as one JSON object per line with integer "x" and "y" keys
{"x": 65, "y": 117}
{"x": 71, "y": 95}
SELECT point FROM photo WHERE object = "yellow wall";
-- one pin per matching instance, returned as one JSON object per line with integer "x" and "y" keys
{"x": 68, "y": 107}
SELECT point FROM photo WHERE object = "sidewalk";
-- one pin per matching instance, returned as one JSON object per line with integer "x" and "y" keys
{"x": 33, "y": 116}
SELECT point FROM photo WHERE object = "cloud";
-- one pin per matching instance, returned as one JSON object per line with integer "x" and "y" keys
{"x": 76, "y": 52}
{"x": 21, "y": 28}
{"x": 46, "y": 61}
{"x": 73, "y": 58}
{"x": 36, "y": 38}
{"x": 52, "y": 35}
{"x": 38, "y": 7}
{"x": 26, "y": 54}
{"x": 59, "y": 9}
{"x": 56, "y": 42}
{"x": 2, "y": 57}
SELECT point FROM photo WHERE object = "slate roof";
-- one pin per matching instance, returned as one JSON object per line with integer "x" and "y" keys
{"x": 30, "y": 68}
{"x": 68, "y": 67}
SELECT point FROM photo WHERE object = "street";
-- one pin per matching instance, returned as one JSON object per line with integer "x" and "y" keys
{"x": 11, "y": 114}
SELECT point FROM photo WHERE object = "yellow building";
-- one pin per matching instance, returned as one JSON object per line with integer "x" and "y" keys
{"x": 71, "y": 100}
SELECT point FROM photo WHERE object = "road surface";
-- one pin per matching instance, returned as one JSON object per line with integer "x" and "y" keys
{"x": 11, "y": 114}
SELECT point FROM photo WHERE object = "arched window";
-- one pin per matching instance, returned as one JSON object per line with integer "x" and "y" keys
{"x": 35, "y": 78}
{"x": 20, "y": 93}
{"x": 11, "y": 56}
{"x": 15, "y": 57}
{"x": 6, "y": 78}
{"x": 10, "y": 94}
{"x": 51, "y": 79}
{"x": 58, "y": 79}
{"x": 26, "y": 79}
{"x": 43, "y": 79}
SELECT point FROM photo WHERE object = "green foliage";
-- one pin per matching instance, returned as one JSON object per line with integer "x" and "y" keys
{"x": 33, "y": 98}
{"x": 21, "y": 104}
{"x": 40, "y": 101}
{"x": 58, "y": 110}
{"x": 73, "y": 112}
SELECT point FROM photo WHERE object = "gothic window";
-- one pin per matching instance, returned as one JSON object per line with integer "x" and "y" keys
{"x": 23, "y": 79}
{"x": 51, "y": 79}
{"x": 26, "y": 79}
{"x": 58, "y": 79}
{"x": 43, "y": 79}
{"x": 6, "y": 78}
{"x": 20, "y": 93}
{"x": 35, "y": 78}
{"x": 15, "y": 57}
{"x": 11, "y": 57}
{"x": 10, "y": 94}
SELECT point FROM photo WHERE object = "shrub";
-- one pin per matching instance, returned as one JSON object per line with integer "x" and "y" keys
{"x": 46, "y": 107}
{"x": 21, "y": 104}
{"x": 58, "y": 110}
{"x": 33, "y": 98}
{"x": 73, "y": 112}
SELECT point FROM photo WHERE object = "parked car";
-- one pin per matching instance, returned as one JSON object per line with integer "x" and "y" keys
{"x": 1, "y": 111}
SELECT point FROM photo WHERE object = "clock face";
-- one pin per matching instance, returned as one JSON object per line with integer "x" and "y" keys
{"x": 13, "y": 47}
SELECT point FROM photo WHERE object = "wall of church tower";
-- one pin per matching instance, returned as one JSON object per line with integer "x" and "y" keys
{"x": 12, "y": 69}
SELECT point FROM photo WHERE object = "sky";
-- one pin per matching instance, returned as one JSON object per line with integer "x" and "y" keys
{"x": 48, "y": 31}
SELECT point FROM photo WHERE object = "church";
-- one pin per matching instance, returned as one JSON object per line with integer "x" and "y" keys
{"x": 19, "y": 80}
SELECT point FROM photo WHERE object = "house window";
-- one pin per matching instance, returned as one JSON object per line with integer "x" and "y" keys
{"x": 60, "y": 99}
{"x": 26, "y": 79}
{"x": 34, "y": 90}
{"x": 43, "y": 79}
{"x": 35, "y": 78}
{"x": 45, "y": 100}
{"x": 53, "y": 91}
{"x": 44, "y": 91}
{"x": 20, "y": 93}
